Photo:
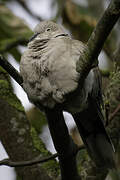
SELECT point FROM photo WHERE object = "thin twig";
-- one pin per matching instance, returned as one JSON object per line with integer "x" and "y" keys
{"x": 112, "y": 115}
{"x": 11, "y": 70}
{"x": 8, "y": 162}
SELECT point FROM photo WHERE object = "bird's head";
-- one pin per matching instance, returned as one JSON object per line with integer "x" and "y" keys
{"x": 47, "y": 30}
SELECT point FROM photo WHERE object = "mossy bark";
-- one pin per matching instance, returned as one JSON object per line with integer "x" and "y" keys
{"x": 18, "y": 138}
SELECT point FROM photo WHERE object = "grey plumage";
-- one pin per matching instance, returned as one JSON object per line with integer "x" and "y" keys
{"x": 48, "y": 68}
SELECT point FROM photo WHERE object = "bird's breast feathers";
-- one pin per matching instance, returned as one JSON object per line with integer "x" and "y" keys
{"x": 50, "y": 74}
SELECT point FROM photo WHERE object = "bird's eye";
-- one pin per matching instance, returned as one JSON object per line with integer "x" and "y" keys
{"x": 48, "y": 29}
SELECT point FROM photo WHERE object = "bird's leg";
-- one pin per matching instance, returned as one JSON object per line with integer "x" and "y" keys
{"x": 63, "y": 143}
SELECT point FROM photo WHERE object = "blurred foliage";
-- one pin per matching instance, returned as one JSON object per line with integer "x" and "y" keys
{"x": 78, "y": 20}
{"x": 112, "y": 99}
{"x": 12, "y": 28}
{"x": 82, "y": 20}
{"x": 112, "y": 95}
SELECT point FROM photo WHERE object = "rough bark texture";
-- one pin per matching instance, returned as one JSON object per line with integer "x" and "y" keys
{"x": 19, "y": 140}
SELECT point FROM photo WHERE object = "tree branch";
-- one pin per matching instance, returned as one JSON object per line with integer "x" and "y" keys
{"x": 97, "y": 39}
{"x": 11, "y": 70}
{"x": 18, "y": 138}
{"x": 8, "y": 162}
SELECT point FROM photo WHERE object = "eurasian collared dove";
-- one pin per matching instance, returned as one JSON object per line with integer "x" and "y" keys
{"x": 48, "y": 68}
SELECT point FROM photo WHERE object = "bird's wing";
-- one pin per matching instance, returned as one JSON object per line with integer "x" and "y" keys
{"x": 91, "y": 127}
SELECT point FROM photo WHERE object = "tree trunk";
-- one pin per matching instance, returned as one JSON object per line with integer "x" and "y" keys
{"x": 16, "y": 136}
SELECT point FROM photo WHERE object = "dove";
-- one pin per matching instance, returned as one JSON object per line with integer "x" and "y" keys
{"x": 50, "y": 79}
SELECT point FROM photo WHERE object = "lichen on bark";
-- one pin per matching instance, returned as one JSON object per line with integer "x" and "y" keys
{"x": 16, "y": 137}
{"x": 6, "y": 92}
{"x": 52, "y": 165}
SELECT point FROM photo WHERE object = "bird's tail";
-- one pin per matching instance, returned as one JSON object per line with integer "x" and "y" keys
{"x": 92, "y": 131}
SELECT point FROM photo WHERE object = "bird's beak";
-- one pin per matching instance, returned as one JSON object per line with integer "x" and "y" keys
{"x": 33, "y": 37}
